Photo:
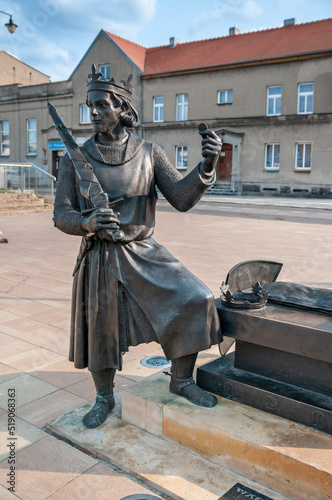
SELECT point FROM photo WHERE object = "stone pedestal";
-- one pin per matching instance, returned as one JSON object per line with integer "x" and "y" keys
{"x": 284, "y": 456}
{"x": 170, "y": 444}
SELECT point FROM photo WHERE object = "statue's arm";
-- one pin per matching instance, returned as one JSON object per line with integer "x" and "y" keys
{"x": 181, "y": 192}
{"x": 67, "y": 216}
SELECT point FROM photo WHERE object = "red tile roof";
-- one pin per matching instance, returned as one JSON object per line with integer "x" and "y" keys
{"x": 135, "y": 52}
{"x": 256, "y": 46}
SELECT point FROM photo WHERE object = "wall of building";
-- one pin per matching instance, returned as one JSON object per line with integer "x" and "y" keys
{"x": 18, "y": 104}
{"x": 287, "y": 135}
{"x": 249, "y": 85}
{"x": 246, "y": 121}
{"x": 103, "y": 51}
{"x": 15, "y": 71}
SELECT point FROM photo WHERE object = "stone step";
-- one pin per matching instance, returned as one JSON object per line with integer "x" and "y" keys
{"x": 282, "y": 455}
{"x": 220, "y": 192}
{"x": 220, "y": 188}
{"x": 20, "y": 203}
{"x": 31, "y": 210}
{"x": 17, "y": 196}
{"x": 22, "y": 209}
{"x": 169, "y": 468}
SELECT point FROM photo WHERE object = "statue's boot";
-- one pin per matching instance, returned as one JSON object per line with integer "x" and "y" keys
{"x": 103, "y": 381}
{"x": 182, "y": 382}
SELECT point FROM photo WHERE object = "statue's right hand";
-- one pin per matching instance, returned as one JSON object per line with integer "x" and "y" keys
{"x": 101, "y": 218}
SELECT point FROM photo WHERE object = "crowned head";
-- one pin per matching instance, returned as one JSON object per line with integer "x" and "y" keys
{"x": 96, "y": 81}
{"x": 119, "y": 92}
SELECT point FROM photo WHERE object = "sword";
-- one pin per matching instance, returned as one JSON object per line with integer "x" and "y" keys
{"x": 90, "y": 187}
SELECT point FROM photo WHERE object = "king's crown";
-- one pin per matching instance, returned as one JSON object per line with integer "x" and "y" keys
{"x": 96, "y": 81}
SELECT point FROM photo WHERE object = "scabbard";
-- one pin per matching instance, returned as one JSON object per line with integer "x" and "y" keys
{"x": 86, "y": 245}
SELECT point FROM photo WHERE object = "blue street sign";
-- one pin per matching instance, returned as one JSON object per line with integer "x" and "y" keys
{"x": 56, "y": 145}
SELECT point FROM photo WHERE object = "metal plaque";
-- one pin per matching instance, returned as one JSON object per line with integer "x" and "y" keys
{"x": 240, "y": 492}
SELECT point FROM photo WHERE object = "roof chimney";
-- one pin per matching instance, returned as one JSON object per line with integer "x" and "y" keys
{"x": 234, "y": 30}
{"x": 173, "y": 41}
{"x": 290, "y": 22}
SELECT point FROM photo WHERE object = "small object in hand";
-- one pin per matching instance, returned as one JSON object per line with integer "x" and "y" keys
{"x": 202, "y": 127}
{"x": 118, "y": 235}
{"x": 3, "y": 240}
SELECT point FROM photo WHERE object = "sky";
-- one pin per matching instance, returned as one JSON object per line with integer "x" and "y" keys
{"x": 53, "y": 35}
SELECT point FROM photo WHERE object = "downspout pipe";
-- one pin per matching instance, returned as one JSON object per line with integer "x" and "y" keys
{"x": 141, "y": 109}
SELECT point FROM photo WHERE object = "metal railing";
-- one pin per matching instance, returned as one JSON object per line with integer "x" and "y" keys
{"x": 26, "y": 177}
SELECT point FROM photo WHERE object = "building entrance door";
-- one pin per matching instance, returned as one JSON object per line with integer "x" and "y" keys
{"x": 224, "y": 166}
{"x": 56, "y": 158}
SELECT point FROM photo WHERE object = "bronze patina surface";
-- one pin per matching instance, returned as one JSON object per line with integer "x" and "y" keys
{"x": 283, "y": 355}
{"x": 127, "y": 289}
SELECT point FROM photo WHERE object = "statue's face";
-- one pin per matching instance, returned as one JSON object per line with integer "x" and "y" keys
{"x": 105, "y": 114}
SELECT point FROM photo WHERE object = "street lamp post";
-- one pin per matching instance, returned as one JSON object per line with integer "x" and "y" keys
{"x": 11, "y": 27}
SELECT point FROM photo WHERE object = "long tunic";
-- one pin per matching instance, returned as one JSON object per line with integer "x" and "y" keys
{"x": 134, "y": 291}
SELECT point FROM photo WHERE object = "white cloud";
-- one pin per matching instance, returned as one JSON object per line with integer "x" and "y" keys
{"x": 116, "y": 18}
{"x": 250, "y": 10}
{"x": 226, "y": 13}
{"x": 53, "y": 35}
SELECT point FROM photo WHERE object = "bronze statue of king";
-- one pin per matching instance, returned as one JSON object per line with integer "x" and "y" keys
{"x": 128, "y": 289}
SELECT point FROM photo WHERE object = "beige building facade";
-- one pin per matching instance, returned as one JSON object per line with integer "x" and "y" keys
{"x": 274, "y": 114}
{"x": 274, "y": 118}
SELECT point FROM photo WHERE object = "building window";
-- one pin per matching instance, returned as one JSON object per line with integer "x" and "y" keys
{"x": 272, "y": 156}
{"x": 158, "y": 109}
{"x": 182, "y": 107}
{"x": 303, "y": 156}
{"x": 4, "y": 130}
{"x": 84, "y": 114}
{"x": 105, "y": 70}
{"x": 31, "y": 136}
{"x": 225, "y": 97}
{"x": 305, "y": 103}
{"x": 273, "y": 101}
{"x": 181, "y": 157}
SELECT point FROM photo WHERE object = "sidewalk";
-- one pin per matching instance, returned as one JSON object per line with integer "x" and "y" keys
{"x": 324, "y": 204}
{"x": 35, "y": 295}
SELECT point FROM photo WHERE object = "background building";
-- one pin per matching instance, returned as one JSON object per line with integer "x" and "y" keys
{"x": 268, "y": 94}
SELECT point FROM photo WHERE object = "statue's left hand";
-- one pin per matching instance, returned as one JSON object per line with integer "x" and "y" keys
{"x": 211, "y": 147}
{"x": 111, "y": 232}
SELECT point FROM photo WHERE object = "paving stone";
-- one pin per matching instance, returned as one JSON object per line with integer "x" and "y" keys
{"x": 62, "y": 374}
{"x": 5, "y": 494}
{"x": 27, "y": 389}
{"x": 25, "y": 435}
{"x": 60, "y": 346}
{"x": 49, "y": 407}
{"x": 10, "y": 345}
{"x": 133, "y": 368}
{"x": 38, "y": 281}
{"x": 45, "y": 467}
{"x": 26, "y": 308}
{"x": 85, "y": 388}
{"x": 6, "y": 316}
{"x": 32, "y": 359}
{"x": 7, "y": 373}
{"x": 100, "y": 482}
